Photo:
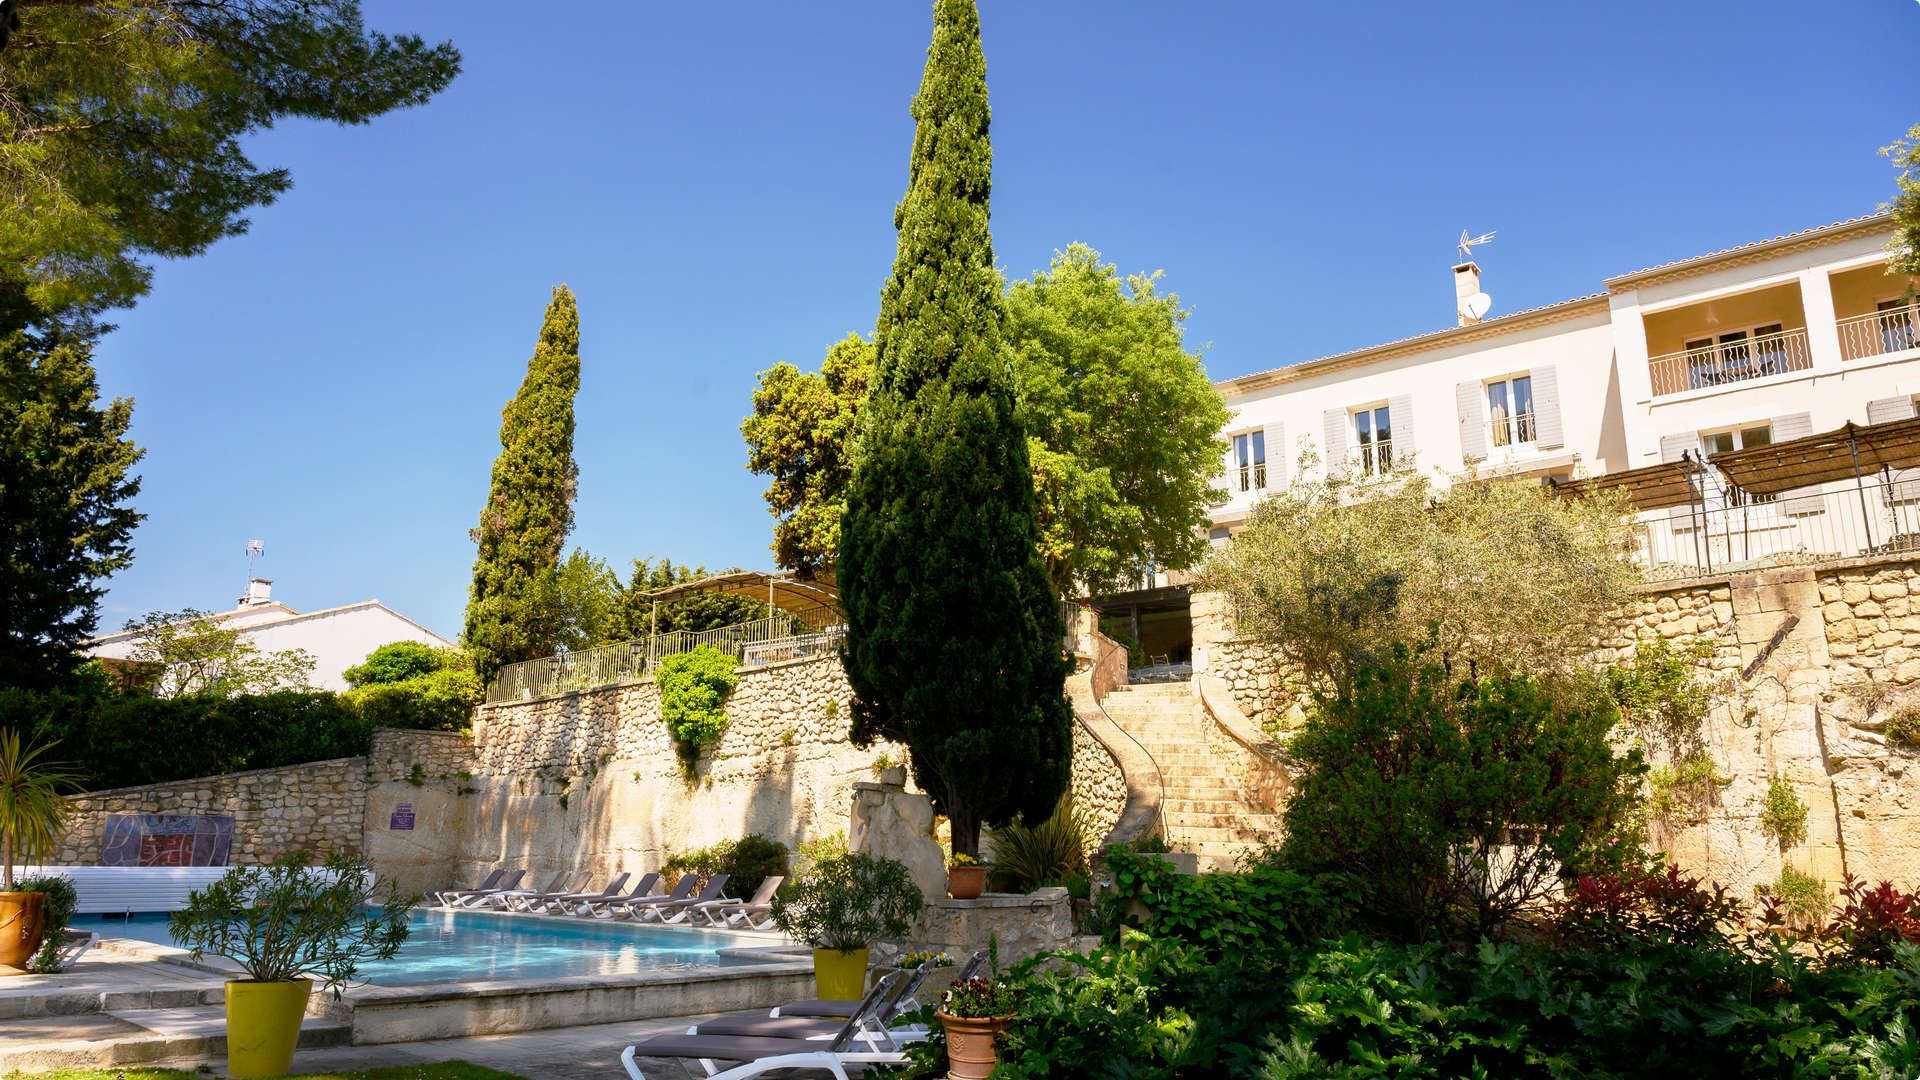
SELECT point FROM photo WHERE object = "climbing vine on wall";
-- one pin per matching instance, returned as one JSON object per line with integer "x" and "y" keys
{"x": 694, "y": 687}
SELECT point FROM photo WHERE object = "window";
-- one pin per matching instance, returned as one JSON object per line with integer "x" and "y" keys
{"x": 1373, "y": 433}
{"x": 1510, "y": 410}
{"x": 1742, "y": 438}
{"x": 1250, "y": 460}
{"x": 1896, "y": 325}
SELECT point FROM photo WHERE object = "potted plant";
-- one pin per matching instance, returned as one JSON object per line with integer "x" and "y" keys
{"x": 972, "y": 1014}
{"x": 33, "y": 814}
{"x": 966, "y": 877}
{"x": 286, "y": 924}
{"x": 841, "y": 905}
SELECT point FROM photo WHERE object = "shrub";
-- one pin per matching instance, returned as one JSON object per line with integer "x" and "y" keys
{"x": 1026, "y": 857}
{"x": 397, "y": 662}
{"x": 980, "y": 998}
{"x": 847, "y": 902}
{"x": 1871, "y": 922}
{"x": 1642, "y": 907}
{"x": 1903, "y": 727}
{"x": 1682, "y": 792}
{"x": 1455, "y": 803}
{"x": 747, "y": 862}
{"x": 1661, "y": 696}
{"x": 62, "y": 898}
{"x": 440, "y": 700}
{"x": 1800, "y": 900}
{"x": 1782, "y": 815}
{"x": 694, "y": 687}
{"x": 1222, "y": 913}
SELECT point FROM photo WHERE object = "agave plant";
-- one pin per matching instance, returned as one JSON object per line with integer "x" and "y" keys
{"x": 33, "y": 810}
{"x": 1028, "y": 856}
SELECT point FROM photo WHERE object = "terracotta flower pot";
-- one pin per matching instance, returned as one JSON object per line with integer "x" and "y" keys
{"x": 23, "y": 922}
{"x": 971, "y": 1049}
{"x": 966, "y": 882}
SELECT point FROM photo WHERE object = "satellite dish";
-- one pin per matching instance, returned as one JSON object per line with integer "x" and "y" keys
{"x": 1475, "y": 307}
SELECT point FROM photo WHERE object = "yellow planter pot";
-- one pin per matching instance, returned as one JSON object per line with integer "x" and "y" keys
{"x": 840, "y": 976}
{"x": 263, "y": 1025}
{"x": 23, "y": 922}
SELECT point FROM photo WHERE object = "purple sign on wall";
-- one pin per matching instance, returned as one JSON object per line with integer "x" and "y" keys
{"x": 402, "y": 818}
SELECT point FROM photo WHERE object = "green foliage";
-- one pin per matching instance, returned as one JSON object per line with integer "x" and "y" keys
{"x": 1639, "y": 906}
{"x": 1501, "y": 574}
{"x": 1903, "y": 727}
{"x": 980, "y": 998}
{"x": 122, "y": 740}
{"x": 953, "y": 630}
{"x": 1455, "y": 803}
{"x": 847, "y": 902}
{"x": 820, "y": 848}
{"x": 288, "y": 920}
{"x": 511, "y": 614}
{"x": 1802, "y": 899}
{"x": 801, "y": 437}
{"x": 122, "y": 127}
{"x": 1681, "y": 793}
{"x": 1905, "y": 247}
{"x": 437, "y": 701}
{"x": 694, "y": 687}
{"x": 1027, "y": 857}
{"x": 583, "y": 600}
{"x": 61, "y": 899}
{"x": 1661, "y": 696}
{"x": 701, "y": 611}
{"x": 399, "y": 661}
{"x": 33, "y": 805}
{"x": 1223, "y": 913}
{"x": 1782, "y": 815}
{"x": 1122, "y": 422}
{"x": 747, "y": 862}
{"x": 65, "y": 518}
{"x": 192, "y": 652}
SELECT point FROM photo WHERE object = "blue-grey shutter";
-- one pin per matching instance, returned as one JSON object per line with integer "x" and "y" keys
{"x": 1548, "y": 431}
{"x": 1791, "y": 426}
{"x": 1807, "y": 501}
{"x": 1887, "y": 410}
{"x": 1276, "y": 455}
{"x": 1471, "y": 398}
{"x": 1672, "y": 448}
{"x": 1400, "y": 415}
{"x": 1336, "y": 448}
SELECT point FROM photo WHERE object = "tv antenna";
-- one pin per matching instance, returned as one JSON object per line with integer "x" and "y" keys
{"x": 256, "y": 549}
{"x": 1468, "y": 243}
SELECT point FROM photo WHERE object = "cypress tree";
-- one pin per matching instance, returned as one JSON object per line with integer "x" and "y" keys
{"x": 529, "y": 507}
{"x": 953, "y": 632}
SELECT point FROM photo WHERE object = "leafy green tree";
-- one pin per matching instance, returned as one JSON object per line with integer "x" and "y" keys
{"x": 529, "y": 508}
{"x": 66, "y": 519}
{"x": 195, "y": 653}
{"x": 953, "y": 643}
{"x": 1906, "y": 203}
{"x": 584, "y": 597}
{"x": 701, "y": 611}
{"x": 1122, "y": 422}
{"x": 121, "y": 128}
{"x": 396, "y": 661}
{"x": 801, "y": 436}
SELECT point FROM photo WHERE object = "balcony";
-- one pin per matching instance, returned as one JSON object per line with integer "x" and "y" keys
{"x": 1877, "y": 333}
{"x": 1723, "y": 361}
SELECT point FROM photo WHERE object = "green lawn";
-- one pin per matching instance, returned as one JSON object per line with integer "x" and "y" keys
{"x": 446, "y": 1070}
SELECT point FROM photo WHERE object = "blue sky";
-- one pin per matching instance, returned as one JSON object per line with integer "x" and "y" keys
{"x": 717, "y": 184}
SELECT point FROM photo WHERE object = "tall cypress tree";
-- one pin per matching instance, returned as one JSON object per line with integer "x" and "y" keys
{"x": 529, "y": 507}
{"x": 953, "y": 632}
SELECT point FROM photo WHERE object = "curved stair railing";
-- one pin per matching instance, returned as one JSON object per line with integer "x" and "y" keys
{"x": 1086, "y": 688}
{"x": 1262, "y": 762}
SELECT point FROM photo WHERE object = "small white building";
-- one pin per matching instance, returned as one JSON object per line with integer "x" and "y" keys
{"x": 337, "y": 638}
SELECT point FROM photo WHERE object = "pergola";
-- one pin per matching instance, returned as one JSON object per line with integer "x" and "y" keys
{"x": 815, "y": 601}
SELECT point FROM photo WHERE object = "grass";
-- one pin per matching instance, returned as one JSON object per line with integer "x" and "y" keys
{"x": 446, "y": 1070}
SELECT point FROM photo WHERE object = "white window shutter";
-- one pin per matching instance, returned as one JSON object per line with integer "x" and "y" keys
{"x": 1548, "y": 431}
{"x": 1276, "y": 455}
{"x": 1673, "y": 446}
{"x": 1336, "y": 447}
{"x": 1471, "y": 397}
{"x": 1791, "y": 426}
{"x": 1400, "y": 415}
{"x": 1887, "y": 410}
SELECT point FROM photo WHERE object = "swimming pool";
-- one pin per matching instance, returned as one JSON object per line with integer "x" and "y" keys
{"x": 448, "y": 946}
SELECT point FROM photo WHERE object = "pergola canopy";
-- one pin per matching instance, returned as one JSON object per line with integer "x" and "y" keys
{"x": 1844, "y": 453}
{"x": 814, "y": 602}
{"x": 1653, "y": 487}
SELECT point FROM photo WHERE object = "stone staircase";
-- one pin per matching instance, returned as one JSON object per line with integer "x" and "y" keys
{"x": 1200, "y": 803}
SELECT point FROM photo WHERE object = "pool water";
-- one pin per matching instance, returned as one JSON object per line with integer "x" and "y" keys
{"x": 447, "y": 946}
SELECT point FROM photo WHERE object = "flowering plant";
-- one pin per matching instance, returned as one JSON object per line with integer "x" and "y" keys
{"x": 915, "y": 959}
{"x": 961, "y": 858}
{"x": 980, "y": 999}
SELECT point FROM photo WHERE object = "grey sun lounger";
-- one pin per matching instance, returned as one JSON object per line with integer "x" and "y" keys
{"x": 680, "y": 909}
{"x": 734, "y": 912}
{"x": 444, "y": 896}
{"x": 603, "y": 909}
{"x": 857, "y": 1040}
{"x": 631, "y": 906}
{"x": 459, "y": 898}
{"x": 500, "y": 896}
{"x": 519, "y": 899}
{"x": 822, "y": 1007}
{"x": 757, "y": 1022}
{"x": 568, "y": 901}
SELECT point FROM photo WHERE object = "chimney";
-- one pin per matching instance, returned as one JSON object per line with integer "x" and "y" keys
{"x": 259, "y": 591}
{"x": 1466, "y": 284}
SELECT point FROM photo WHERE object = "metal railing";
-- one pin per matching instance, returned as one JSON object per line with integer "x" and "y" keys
{"x": 1878, "y": 333}
{"x": 755, "y": 644}
{"x": 1875, "y": 516}
{"x": 1730, "y": 362}
{"x": 1515, "y": 430}
{"x": 1252, "y": 477}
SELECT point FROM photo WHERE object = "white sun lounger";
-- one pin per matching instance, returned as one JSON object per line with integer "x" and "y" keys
{"x": 443, "y": 897}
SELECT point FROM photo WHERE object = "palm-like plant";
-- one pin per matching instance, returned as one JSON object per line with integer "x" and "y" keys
{"x": 33, "y": 810}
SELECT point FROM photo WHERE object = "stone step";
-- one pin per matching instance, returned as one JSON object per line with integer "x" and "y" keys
{"x": 1252, "y": 819}
{"x": 1196, "y": 835}
{"x": 135, "y": 1036}
{"x": 1172, "y": 805}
